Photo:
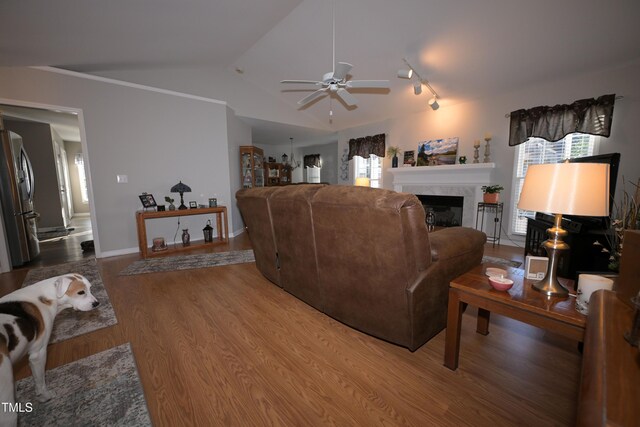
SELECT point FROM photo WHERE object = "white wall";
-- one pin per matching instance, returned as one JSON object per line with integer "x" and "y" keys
{"x": 470, "y": 121}
{"x": 238, "y": 133}
{"x": 247, "y": 99}
{"x": 72, "y": 148}
{"x": 155, "y": 138}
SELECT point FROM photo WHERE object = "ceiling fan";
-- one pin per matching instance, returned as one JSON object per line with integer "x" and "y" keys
{"x": 335, "y": 82}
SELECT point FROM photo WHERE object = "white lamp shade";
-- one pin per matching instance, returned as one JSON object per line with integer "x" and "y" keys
{"x": 363, "y": 182}
{"x": 566, "y": 188}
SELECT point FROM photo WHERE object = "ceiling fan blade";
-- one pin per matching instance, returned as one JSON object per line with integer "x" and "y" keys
{"x": 311, "y": 82}
{"x": 315, "y": 95}
{"x": 349, "y": 99}
{"x": 341, "y": 71}
{"x": 378, "y": 84}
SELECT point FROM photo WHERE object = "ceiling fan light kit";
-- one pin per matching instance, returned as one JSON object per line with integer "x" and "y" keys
{"x": 418, "y": 83}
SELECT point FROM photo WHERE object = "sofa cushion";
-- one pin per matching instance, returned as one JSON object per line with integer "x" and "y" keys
{"x": 254, "y": 205}
{"x": 295, "y": 240}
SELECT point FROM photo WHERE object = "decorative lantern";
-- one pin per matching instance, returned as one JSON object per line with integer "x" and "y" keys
{"x": 208, "y": 232}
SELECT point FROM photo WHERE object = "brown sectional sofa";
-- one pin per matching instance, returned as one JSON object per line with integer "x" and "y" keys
{"x": 361, "y": 255}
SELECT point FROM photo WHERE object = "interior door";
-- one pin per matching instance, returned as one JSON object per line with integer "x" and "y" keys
{"x": 61, "y": 161}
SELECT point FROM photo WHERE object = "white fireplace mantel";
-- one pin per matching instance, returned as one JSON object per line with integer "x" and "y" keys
{"x": 447, "y": 180}
{"x": 471, "y": 174}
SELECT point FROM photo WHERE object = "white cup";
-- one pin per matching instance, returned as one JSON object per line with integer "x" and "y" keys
{"x": 588, "y": 284}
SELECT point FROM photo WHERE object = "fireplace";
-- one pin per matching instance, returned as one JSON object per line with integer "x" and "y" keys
{"x": 447, "y": 209}
{"x": 464, "y": 181}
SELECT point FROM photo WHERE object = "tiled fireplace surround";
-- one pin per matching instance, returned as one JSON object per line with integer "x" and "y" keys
{"x": 447, "y": 180}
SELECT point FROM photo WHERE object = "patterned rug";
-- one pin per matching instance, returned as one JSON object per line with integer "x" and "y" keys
{"x": 186, "y": 262}
{"x": 70, "y": 323}
{"x": 99, "y": 390}
{"x": 501, "y": 261}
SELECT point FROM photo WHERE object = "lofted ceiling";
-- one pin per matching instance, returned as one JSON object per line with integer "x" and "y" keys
{"x": 466, "y": 49}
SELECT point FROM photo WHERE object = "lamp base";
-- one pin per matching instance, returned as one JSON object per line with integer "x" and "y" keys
{"x": 554, "y": 246}
{"x": 182, "y": 205}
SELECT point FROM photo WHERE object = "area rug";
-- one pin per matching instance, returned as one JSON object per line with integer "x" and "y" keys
{"x": 501, "y": 261}
{"x": 51, "y": 234}
{"x": 99, "y": 390}
{"x": 71, "y": 323}
{"x": 186, "y": 262}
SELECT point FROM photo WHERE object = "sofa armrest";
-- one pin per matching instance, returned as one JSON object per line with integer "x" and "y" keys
{"x": 453, "y": 242}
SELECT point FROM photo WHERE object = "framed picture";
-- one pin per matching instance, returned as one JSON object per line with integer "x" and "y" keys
{"x": 193, "y": 205}
{"x": 160, "y": 208}
{"x": 437, "y": 152}
{"x": 409, "y": 159}
{"x": 213, "y": 202}
{"x": 147, "y": 200}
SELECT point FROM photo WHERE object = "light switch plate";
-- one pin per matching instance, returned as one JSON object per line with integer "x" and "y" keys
{"x": 122, "y": 179}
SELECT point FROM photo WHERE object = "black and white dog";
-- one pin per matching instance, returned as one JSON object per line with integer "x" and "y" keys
{"x": 26, "y": 320}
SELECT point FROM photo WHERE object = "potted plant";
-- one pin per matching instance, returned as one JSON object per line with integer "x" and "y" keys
{"x": 491, "y": 193}
{"x": 169, "y": 200}
{"x": 626, "y": 216}
{"x": 393, "y": 152}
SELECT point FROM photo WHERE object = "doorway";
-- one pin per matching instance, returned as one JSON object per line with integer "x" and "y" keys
{"x": 65, "y": 226}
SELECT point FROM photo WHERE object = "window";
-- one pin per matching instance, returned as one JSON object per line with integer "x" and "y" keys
{"x": 313, "y": 175}
{"x": 370, "y": 168}
{"x": 539, "y": 151}
{"x": 84, "y": 194}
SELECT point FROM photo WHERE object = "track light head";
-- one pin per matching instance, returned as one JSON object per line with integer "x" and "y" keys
{"x": 433, "y": 103}
{"x": 417, "y": 88}
{"x": 405, "y": 74}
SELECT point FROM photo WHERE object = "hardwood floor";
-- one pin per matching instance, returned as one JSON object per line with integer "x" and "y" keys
{"x": 224, "y": 346}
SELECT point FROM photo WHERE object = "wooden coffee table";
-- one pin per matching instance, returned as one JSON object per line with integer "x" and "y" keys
{"x": 521, "y": 302}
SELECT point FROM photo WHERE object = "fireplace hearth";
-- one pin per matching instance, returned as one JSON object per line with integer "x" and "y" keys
{"x": 447, "y": 209}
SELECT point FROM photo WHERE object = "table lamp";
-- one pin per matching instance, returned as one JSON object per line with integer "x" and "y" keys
{"x": 181, "y": 188}
{"x": 569, "y": 189}
{"x": 363, "y": 181}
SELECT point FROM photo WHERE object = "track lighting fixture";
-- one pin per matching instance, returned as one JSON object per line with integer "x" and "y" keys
{"x": 418, "y": 83}
{"x": 405, "y": 74}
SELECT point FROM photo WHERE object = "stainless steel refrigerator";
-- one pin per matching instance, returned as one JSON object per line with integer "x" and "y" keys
{"x": 16, "y": 197}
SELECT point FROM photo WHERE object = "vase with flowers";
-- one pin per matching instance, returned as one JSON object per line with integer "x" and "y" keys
{"x": 625, "y": 216}
{"x": 491, "y": 193}
{"x": 393, "y": 152}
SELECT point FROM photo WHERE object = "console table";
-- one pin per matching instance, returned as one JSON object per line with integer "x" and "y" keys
{"x": 142, "y": 216}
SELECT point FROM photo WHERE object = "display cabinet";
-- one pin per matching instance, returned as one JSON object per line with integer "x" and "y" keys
{"x": 277, "y": 174}
{"x": 251, "y": 166}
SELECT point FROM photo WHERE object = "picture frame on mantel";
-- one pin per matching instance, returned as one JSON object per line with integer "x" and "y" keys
{"x": 437, "y": 152}
{"x": 409, "y": 159}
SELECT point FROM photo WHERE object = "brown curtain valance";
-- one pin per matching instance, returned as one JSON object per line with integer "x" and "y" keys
{"x": 312, "y": 161}
{"x": 366, "y": 146}
{"x": 592, "y": 116}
